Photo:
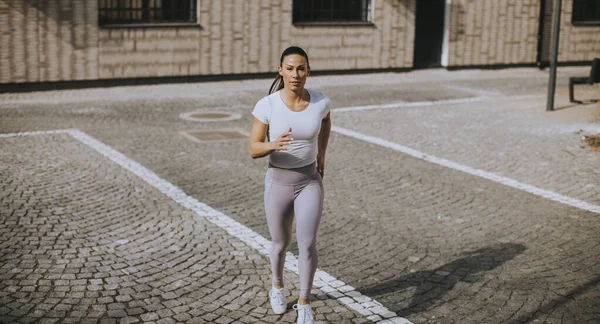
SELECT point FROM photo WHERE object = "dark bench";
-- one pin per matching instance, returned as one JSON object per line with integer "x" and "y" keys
{"x": 593, "y": 78}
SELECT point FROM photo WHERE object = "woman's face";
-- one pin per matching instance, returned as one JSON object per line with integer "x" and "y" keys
{"x": 294, "y": 70}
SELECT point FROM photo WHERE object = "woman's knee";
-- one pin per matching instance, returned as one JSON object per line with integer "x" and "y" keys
{"x": 279, "y": 247}
{"x": 308, "y": 246}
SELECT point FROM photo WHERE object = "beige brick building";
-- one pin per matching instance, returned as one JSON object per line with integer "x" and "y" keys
{"x": 67, "y": 40}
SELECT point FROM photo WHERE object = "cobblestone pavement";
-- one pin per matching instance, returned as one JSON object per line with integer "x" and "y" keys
{"x": 84, "y": 239}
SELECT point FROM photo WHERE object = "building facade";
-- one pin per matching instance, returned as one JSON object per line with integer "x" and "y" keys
{"x": 69, "y": 40}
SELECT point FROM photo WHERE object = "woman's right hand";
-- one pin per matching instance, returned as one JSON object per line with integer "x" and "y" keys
{"x": 283, "y": 141}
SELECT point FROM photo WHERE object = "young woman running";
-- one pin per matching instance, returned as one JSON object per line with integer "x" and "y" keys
{"x": 296, "y": 122}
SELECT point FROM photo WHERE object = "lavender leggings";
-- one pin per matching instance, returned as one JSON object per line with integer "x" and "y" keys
{"x": 290, "y": 192}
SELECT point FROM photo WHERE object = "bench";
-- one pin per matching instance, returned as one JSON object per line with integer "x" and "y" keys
{"x": 594, "y": 77}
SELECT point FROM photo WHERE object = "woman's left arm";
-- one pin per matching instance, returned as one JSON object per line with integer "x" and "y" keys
{"x": 323, "y": 140}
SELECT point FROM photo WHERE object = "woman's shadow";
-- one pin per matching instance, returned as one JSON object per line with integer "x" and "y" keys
{"x": 432, "y": 285}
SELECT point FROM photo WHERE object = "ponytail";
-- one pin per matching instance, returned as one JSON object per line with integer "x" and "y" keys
{"x": 277, "y": 84}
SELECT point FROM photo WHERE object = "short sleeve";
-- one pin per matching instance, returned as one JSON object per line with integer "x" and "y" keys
{"x": 262, "y": 111}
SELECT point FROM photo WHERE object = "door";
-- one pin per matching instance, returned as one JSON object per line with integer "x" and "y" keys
{"x": 429, "y": 33}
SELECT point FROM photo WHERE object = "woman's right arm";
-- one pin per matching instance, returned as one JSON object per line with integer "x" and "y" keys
{"x": 258, "y": 147}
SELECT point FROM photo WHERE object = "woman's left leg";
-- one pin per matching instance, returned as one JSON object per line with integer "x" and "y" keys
{"x": 308, "y": 207}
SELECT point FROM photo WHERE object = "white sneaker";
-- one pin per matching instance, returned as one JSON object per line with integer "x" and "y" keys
{"x": 305, "y": 314}
{"x": 277, "y": 299}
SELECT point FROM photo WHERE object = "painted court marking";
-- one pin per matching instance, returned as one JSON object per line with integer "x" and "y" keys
{"x": 467, "y": 169}
{"x": 346, "y": 294}
{"x": 432, "y": 103}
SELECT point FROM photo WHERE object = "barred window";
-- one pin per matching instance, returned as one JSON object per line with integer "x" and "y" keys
{"x": 146, "y": 11}
{"x": 586, "y": 12}
{"x": 331, "y": 11}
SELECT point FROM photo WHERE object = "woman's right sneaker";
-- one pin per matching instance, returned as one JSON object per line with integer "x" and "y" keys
{"x": 277, "y": 299}
{"x": 305, "y": 314}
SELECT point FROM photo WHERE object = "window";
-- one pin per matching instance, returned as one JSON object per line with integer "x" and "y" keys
{"x": 146, "y": 11}
{"x": 586, "y": 12}
{"x": 315, "y": 11}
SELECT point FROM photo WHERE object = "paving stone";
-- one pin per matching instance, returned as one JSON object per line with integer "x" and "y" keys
{"x": 427, "y": 242}
{"x": 108, "y": 321}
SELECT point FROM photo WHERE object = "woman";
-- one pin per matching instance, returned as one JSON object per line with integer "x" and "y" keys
{"x": 296, "y": 122}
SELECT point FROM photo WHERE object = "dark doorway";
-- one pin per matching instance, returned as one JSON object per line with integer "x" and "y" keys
{"x": 429, "y": 33}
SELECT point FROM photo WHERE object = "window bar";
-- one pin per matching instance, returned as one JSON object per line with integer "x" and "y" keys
{"x": 120, "y": 15}
{"x": 331, "y": 10}
{"x": 192, "y": 10}
{"x": 138, "y": 10}
{"x": 157, "y": 10}
{"x": 145, "y": 16}
{"x": 170, "y": 10}
{"x": 101, "y": 4}
{"x": 114, "y": 13}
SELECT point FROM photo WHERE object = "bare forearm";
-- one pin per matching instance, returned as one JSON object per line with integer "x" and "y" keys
{"x": 324, "y": 137}
{"x": 261, "y": 149}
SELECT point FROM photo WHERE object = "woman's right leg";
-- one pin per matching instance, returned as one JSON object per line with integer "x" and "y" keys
{"x": 279, "y": 209}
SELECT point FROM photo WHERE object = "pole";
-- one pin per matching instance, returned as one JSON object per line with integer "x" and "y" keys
{"x": 554, "y": 56}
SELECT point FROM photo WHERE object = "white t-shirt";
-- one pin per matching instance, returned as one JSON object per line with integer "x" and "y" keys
{"x": 306, "y": 125}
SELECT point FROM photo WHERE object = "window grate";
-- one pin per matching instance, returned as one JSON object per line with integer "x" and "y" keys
{"x": 146, "y": 11}
{"x": 331, "y": 11}
{"x": 586, "y": 12}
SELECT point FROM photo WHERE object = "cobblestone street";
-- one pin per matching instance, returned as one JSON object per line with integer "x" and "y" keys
{"x": 450, "y": 197}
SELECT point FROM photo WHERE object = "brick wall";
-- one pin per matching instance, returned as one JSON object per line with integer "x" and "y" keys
{"x": 493, "y": 32}
{"x": 576, "y": 43}
{"x": 390, "y": 44}
{"x": 148, "y": 52}
{"x": 60, "y": 40}
{"x": 47, "y": 40}
{"x": 54, "y": 40}
{"x": 248, "y": 37}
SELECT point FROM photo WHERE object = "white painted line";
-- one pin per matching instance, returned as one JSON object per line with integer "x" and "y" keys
{"x": 467, "y": 169}
{"x": 432, "y": 103}
{"x": 47, "y": 132}
{"x": 479, "y": 92}
{"x": 186, "y": 134}
{"x": 106, "y": 95}
{"x": 364, "y": 305}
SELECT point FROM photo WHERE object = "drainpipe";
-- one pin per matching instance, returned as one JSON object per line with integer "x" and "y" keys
{"x": 554, "y": 56}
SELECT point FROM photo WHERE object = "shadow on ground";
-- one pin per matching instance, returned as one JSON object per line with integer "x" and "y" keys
{"x": 550, "y": 306}
{"x": 432, "y": 285}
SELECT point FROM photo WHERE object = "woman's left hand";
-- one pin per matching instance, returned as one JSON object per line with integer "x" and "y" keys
{"x": 321, "y": 165}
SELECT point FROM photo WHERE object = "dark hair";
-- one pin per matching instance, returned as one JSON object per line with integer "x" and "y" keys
{"x": 278, "y": 82}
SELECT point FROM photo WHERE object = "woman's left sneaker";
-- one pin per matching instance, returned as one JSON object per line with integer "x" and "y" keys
{"x": 277, "y": 299}
{"x": 305, "y": 314}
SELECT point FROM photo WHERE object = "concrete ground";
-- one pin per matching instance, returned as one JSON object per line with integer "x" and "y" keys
{"x": 451, "y": 197}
